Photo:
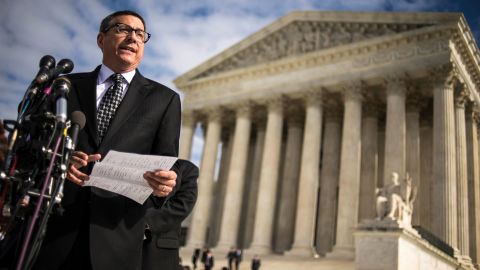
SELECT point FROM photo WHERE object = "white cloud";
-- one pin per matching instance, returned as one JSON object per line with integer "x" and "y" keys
{"x": 185, "y": 34}
{"x": 197, "y": 145}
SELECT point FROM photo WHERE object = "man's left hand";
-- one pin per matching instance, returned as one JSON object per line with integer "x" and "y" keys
{"x": 162, "y": 182}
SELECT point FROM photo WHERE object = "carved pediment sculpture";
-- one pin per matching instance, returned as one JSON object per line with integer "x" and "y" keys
{"x": 300, "y": 37}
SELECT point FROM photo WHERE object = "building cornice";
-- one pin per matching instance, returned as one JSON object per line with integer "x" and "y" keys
{"x": 324, "y": 57}
{"x": 407, "y": 18}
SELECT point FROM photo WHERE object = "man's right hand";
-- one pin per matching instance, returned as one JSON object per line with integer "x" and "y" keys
{"x": 78, "y": 160}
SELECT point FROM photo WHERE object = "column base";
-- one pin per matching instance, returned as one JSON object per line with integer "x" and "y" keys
{"x": 224, "y": 247}
{"x": 342, "y": 253}
{"x": 304, "y": 251}
{"x": 465, "y": 261}
{"x": 259, "y": 249}
{"x": 194, "y": 244}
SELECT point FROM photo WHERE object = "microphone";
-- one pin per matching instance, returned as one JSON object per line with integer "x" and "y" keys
{"x": 78, "y": 122}
{"x": 61, "y": 86}
{"x": 47, "y": 62}
{"x": 64, "y": 66}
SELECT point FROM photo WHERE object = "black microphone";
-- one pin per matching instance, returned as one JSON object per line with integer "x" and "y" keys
{"x": 61, "y": 86}
{"x": 78, "y": 122}
{"x": 64, "y": 66}
{"x": 47, "y": 62}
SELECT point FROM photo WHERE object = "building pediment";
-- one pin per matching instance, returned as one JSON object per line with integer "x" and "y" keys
{"x": 304, "y": 32}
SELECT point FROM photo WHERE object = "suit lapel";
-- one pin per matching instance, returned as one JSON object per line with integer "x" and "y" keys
{"x": 137, "y": 92}
{"x": 87, "y": 93}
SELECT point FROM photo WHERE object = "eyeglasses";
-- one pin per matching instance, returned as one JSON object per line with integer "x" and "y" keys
{"x": 123, "y": 29}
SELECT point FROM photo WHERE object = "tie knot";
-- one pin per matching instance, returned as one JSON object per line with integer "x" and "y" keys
{"x": 117, "y": 78}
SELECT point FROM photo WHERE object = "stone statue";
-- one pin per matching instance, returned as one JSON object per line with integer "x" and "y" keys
{"x": 395, "y": 200}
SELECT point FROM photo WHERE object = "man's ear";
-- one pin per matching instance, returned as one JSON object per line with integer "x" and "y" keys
{"x": 100, "y": 38}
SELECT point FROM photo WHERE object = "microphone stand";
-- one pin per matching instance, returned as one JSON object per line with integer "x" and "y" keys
{"x": 34, "y": 170}
{"x": 55, "y": 198}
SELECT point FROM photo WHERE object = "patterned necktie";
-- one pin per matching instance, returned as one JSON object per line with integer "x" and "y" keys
{"x": 109, "y": 104}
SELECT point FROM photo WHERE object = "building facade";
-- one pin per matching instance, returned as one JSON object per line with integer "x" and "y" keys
{"x": 315, "y": 111}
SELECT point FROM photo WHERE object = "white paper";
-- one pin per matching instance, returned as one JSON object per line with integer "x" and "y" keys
{"x": 122, "y": 173}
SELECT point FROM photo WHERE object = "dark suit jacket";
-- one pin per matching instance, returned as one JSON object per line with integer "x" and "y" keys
{"x": 166, "y": 222}
{"x": 146, "y": 122}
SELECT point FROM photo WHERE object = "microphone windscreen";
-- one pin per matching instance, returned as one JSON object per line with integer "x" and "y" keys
{"x": 47, "y": 62}
{"x": 61, "y": 85}
{"x": 78, "y": 117}
{"x": 65, "y": 66}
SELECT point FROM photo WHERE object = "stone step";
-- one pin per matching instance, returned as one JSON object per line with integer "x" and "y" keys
{"x": 274, "y": 262}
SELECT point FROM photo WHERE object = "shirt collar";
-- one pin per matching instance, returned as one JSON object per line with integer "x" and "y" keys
{"x": 106, "y": 72}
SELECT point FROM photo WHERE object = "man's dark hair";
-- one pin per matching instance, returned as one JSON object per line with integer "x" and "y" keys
{"x": 106, "y": 22}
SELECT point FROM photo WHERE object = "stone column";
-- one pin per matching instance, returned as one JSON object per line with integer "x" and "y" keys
{"x": 349, "y": 179}
{"x": 381, "y": 152}
{"x": 471, "y": 119}
{"x": 309, "y": 174}
{"x": 462, "y": 178}
{"x": 290, "y": 181}
{"x": 265, "y": 209}
{"x": 426, "y": 157}
{"x": 221, "y": 185}
{"x": 395, "y": 131}
{"x": 247, "y": 188}
{"x": 201, "y": 214}
{"x": 369, "y": 163}
{"x": 188, "y": 129}
{"x": 444, "y": 182}
{"x": 413, "y": 146}
{"x": 326, "y": 214}
{"x": 186, "y": 140}
{"x": 255, "y": 174}
{"x": 235, "y": 180}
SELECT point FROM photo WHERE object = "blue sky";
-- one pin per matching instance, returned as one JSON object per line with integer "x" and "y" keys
{"x": 184, "y": 32}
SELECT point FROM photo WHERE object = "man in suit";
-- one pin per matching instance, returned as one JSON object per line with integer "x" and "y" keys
{"x": 161, "y": 250}
{"x": 209, "y": 260}
{"x": 231, "y": 257}
{"x": 130, "y": 113}
{"x": 256, "y": 262}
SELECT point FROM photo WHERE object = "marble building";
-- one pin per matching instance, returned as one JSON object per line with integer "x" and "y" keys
{"x": 313, "y": 112}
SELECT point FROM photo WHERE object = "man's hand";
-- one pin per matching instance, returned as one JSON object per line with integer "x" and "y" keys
{"x": 162, "y": 182}
{"x": 78, "y": 160}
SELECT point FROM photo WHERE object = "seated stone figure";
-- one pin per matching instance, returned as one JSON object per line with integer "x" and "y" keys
{"x": 395, "y": 200}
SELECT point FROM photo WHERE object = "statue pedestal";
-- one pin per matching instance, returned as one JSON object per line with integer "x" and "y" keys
{"x": 389, "y": 247}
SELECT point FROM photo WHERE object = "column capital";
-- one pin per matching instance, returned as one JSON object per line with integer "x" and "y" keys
{"x": 275, "y": 103}
{"x": 332, "y": 100}
{"x": 418, "y": 93}
{"x": 396, "y": 84}
{"x": 371, "y": 109}
{"x": 242, "y": 108}
{"x": 470, "y": 109}
{"x": 353, "y": 90}
{"x": 444, "y": 75}
{"x": 312, "y": 96}
{"x": 260, "y": 117}
{"x": 461, "y": 94}
{"x": 295, "y": 116}
{"x": 426, "y": 120}
{"x": 415, "y": 101}
{"x": 213, "y": 113}
{"x": 226, "y": 133}
{"x": 334, "y": 115}
{"x": 476, "y": 117}
{"x": 189, "y": 117}
{"x": 372, "y": 104}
